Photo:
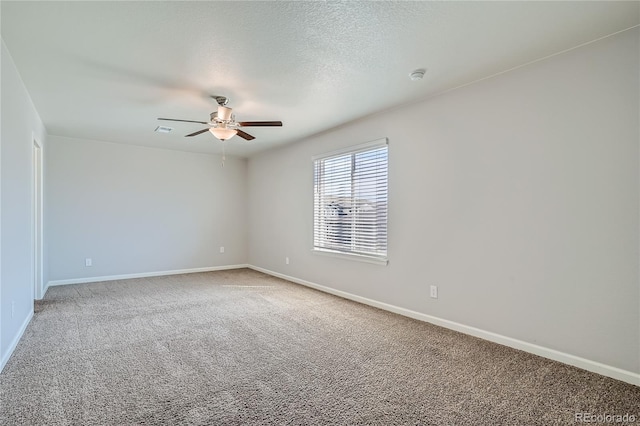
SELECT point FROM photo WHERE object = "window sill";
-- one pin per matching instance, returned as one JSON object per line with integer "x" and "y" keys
{"x": 350, "y": 256}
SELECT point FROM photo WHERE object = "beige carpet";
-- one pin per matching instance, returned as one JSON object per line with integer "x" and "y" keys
{"x": 239, "y": 347}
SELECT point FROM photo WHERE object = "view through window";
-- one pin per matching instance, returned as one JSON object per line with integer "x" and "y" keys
{"x": 350, "y": 201}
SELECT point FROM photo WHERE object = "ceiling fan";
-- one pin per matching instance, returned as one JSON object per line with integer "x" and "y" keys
{"x": 223, "y": 124}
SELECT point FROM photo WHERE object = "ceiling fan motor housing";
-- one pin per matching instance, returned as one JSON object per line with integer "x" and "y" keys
{"x": 224, "y": 113}
{"x": 222, "y": 116}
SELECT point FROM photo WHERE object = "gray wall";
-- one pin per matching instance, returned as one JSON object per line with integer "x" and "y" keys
{"x": 136, "y": 210}
{"x": 20, "y": 124}
{"x": 517, "y": 196}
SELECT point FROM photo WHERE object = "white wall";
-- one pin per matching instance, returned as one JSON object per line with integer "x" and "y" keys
{"x": 137, "y": 210}
{"x": 20, "y": 124}
{"x": 518, "y": 196}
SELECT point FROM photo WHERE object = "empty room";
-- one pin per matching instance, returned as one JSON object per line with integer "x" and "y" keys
{"x": 319, "y": 213}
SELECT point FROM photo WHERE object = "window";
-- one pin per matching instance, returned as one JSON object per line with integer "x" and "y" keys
{"x": 350, "y": 202}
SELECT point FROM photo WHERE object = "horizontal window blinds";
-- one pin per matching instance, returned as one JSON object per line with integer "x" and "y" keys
{"x": 350, "y": 202}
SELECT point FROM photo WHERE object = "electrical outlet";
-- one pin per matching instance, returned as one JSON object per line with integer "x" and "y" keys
{"x": 433, "y": 292}
{"x": 88, "y": 262}
{"x": 221, "y": 249}
{"x": 286, "y": 260}
{"x": 13, "y": 308}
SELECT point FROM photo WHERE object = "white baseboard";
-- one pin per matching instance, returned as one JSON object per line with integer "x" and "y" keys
{"x": 141, "y": 275}
{"x": 14, "y": 342}
{"x": 44, "y": 290}
{"x": 585, "y": 364}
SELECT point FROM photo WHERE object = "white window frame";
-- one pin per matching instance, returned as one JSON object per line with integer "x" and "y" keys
{"x": 376, "y": 259}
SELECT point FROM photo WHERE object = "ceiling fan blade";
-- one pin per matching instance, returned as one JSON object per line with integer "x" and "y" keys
{"x": 260, "y": 123}
{"x": 244, "y": 135}
{"x": 197, "y": 133}
{"x": 186, "y": 121}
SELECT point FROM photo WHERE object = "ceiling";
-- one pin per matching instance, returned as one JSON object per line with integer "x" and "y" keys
{"x": 107, "y": 70}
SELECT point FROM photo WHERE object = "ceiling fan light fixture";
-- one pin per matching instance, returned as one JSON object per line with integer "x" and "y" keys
{"x": 223, "y": 125}
{"x": 224, "y": 113}
{"x": 223, "y": 133}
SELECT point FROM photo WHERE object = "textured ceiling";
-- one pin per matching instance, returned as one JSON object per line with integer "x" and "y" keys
{"x": 107, "y": 70}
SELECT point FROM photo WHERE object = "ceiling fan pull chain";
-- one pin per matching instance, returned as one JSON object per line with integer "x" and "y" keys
{"x": 223, "y": 156}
